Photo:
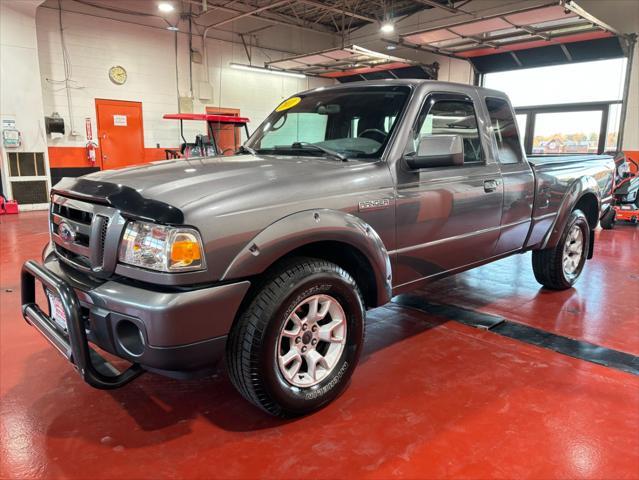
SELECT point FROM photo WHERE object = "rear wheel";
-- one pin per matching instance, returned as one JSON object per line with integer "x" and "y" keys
{"x": 559, "y": 267}
{"x": 295, "y": 346}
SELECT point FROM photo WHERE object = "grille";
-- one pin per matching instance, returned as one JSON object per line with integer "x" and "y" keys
{"x": 76, "y": 250}
{"x": 78, "y": 260}
{"x": 104, "y": 226}
{"x": 73, "y": 214}
{"x": 80, "y": 233}
{"x": 30, "y": 192}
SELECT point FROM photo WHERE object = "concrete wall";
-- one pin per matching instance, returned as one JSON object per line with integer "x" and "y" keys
{"x": 149, "y": 56}
{"x": 20, "y": 91}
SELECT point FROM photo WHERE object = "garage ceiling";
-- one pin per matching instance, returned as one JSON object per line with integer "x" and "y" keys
{"x": 325, "y": 16}
{"x": 556, "y": 22}
{"x": 354, "y": 63}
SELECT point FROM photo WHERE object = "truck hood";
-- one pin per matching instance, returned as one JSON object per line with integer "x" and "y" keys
{"x": 181, "y": 182}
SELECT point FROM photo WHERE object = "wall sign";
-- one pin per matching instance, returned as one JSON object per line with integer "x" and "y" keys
{"x": 119, "y": 121}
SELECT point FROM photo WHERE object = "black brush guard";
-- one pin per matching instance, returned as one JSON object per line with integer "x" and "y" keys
{"x": 94, "y": 369}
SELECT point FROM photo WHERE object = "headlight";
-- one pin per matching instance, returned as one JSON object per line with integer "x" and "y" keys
{"x": 158, "y": 247}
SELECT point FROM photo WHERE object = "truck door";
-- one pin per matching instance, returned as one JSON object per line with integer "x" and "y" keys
{"x": 447, "y": 217}
{"x": 519, "y": 182}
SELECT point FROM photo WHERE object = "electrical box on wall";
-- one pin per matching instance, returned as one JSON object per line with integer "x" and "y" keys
{"x": 185, "y": 104}
{"x": 11, "y": 137}
{"x": 196, "y": 56}
{"x": 205, "y": 91}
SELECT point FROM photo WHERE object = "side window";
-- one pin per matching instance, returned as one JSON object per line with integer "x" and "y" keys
{"x": 452, "y": 117}
{"x": 504, "y": 131}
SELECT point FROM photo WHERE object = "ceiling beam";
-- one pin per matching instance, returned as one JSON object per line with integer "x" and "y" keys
{"x": 249, "y": 13}
{"x": 267, "y": 17}
{"x": 435, "y": 4}
{"x": 334, "y": 9}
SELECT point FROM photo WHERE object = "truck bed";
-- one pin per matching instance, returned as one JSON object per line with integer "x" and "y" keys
{"x": 542, "y": 160}
{"x": 557, "y": 176}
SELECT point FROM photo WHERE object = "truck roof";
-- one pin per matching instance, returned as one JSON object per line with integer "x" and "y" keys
{"x": 458, "y": 87}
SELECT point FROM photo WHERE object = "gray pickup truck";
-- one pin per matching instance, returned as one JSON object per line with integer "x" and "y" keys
{"x": 343, "y": 197}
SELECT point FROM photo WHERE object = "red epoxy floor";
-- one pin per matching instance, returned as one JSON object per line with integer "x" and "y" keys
{"x": 431, "y": 398}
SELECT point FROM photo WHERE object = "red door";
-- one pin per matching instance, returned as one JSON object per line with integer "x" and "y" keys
{"x": 227, "y": 137}
{"x": 120, "y": 133}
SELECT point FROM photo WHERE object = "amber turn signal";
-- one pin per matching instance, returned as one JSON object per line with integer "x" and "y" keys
{"x": 185, "y": 252}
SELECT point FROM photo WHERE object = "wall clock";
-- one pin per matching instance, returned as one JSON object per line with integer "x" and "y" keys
{"x": 118, "y": 75}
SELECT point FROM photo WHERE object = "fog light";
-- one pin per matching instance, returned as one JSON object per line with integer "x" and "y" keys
{"x": 130, "y": 337}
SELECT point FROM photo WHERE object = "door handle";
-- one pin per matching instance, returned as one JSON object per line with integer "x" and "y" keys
{"x": 490, "y": 185}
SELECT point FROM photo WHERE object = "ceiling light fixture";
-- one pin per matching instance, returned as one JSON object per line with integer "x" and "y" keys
{"x": 172, "y": 28}
{"x": 250, "y": 68}
{"x": 391, "y": 47}
{"x": 165, "y": 7}
{"x": 387, "y": 27}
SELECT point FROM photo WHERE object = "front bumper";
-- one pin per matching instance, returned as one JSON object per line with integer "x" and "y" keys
{"x": 176, "y": 333}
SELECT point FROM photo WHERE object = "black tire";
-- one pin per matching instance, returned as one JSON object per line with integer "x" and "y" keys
{"x": 608, "y": 220}
{"x": 548, "y": 263}
{"x": 251, "y": 353}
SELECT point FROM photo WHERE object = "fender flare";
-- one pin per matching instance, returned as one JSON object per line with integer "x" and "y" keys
{"x": 575, "y": 193}
{"x": 311, "y": 226}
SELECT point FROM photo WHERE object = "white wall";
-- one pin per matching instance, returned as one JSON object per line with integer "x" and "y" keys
{"x": 20, "y": 97}
{"x": 148, "y": 54}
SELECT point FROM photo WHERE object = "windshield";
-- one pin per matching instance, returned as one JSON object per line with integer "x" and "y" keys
{"x": 349, "y": 123}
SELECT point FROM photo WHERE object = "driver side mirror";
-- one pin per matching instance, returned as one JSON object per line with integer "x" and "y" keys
{"x": 437, "y": 151}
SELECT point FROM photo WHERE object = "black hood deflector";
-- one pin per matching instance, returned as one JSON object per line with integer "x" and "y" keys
{"x": 126, "y": 199}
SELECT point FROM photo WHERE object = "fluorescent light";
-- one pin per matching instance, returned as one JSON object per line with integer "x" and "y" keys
{"x": 387, "y": 27}
{"x": 250, "y": 68}
{"x": 172, "y": 28}
{"x": 165, "y": 7}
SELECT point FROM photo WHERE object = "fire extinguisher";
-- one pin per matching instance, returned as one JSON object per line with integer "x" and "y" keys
{"x": 91, "y": 146}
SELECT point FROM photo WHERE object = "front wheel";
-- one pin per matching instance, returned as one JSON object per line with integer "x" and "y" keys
{"x": 295, "y": 346}
{"x": 608, "y": 220}
{"x": 560, "y": 266}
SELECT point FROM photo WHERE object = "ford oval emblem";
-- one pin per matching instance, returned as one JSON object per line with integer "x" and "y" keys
{"x": 66, "y": 233}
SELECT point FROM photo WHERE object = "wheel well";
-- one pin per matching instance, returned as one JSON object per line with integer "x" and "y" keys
{"x": 349, "y": 258}
{"x": 589, "y": 205}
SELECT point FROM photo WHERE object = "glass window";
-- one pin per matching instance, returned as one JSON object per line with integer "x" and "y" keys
{"x": 522, "y": 123}
{"x": 305, "y": 127}
{"x": 566, "y": 132}
{"x": 356, "y": 122}
{"x": 452, "y": 117}
{"x": 612, "y": 130}
{"x": 504, "y": 131}
{"x": 598, "y": 81}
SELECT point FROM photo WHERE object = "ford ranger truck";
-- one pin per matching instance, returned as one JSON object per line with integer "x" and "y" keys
{"x": 343, "y": 197}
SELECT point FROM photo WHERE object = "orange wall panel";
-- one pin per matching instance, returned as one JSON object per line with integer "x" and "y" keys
{"x": 152, "y": 154}
{"x": 72, "y": 157}
{"x": 76, "y": 157}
